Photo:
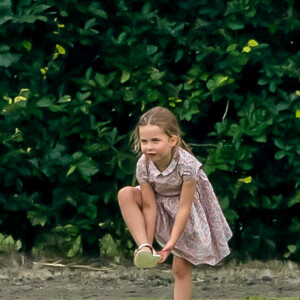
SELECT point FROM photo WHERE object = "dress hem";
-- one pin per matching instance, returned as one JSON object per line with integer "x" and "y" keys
{"x": 200, "y": 262}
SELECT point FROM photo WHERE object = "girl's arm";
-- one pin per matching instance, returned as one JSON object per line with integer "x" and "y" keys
{"x": 183, "y": 213}
{"x": 149, "y": 209}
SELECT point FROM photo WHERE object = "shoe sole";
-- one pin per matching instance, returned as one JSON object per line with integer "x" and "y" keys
{"x": 145, "y": 259}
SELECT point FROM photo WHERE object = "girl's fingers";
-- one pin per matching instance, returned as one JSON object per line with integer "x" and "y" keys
{"x": 164, "y": 255}
{"x": 163, "y": 259}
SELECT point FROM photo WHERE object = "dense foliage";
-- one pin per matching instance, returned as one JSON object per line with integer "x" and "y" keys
{"x": 75, "y": 76}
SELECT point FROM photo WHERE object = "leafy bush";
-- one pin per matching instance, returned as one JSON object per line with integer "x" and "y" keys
{"x": 75, "y": 76}
{"x": 8, "y": 244}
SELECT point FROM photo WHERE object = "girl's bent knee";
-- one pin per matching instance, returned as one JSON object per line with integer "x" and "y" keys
{"x": 127, "y": 192}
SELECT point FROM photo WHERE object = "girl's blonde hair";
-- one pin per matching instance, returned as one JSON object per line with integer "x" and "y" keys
{"x": 163, "y": 118}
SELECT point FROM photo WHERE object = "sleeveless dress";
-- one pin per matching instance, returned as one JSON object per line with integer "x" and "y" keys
{"x": 206, "y": 235}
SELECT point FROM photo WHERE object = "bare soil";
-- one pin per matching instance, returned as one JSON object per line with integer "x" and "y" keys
{"x": 24, "y": 278}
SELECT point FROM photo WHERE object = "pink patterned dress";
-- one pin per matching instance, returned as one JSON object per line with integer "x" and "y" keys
{"x": 205, "y": 238}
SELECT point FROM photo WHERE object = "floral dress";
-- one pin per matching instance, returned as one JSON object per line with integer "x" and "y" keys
{"x": 206, "y": 235}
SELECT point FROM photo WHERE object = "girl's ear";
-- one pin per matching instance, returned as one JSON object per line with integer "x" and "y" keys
{"x": 174, "y": 140}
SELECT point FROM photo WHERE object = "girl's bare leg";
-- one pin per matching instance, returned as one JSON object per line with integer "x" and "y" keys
{"x": 182, "y": 270}
{"x": 130, "y": 202}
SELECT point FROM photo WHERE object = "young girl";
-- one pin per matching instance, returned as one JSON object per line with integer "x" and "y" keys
{"x": 174, "y": 202}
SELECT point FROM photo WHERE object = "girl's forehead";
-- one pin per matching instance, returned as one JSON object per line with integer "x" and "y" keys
{"x": 150, "y": 130}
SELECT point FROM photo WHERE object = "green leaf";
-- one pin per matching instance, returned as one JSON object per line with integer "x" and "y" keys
{"x": 231, "y": 215}
{"x": 235, "y": 25}
{"x": 279, "y": 143}
{"x": 273, "y": 86}
{"x": 7, "y": 59}
{"x": 204, "y": 76}
{"x": 89, "y": 210}
{"x": 224, "y": 202}
{"x": 283, "y": 106}
{"x": 27, "y": 45}
{"x": 295, "y": 200}
{"x": 121, "y": 38}
{"x": 76, "y": 248}
{"x": 231, "y": 47}
{"x": 71, "y": 170}
{"x": 90, "y": 24}
{"x": 253, "y": 43}
{"x": 260, "y": 139}
{"x": 83, "y": 96}
{"x": 5, "y": 19}
{"x": 4, "y": 48}
{"x": 100, "y": 13}
{"x": 125, "y": 76}
{"x": 156, "y": 75}
{"x": 87, "y": 167}
{"x": 263, "y": 81}
{"x": 40, "y": 8}
{"x": 217, "y": 81}
{"x": 219, "y": 128}
{"x": 65, "y": 99}
{"x": 77, "y": 155}
{"x": 280, "y": 155}
{"x": 151, "y": 49}
{"x": 211, "y": 84}
{"x": 108, "y": 246}
{"x": 234, "y": 129}
{"x": 179, "y": 55}
{"x": 292, "y": 249}
{"x": 247, "y": 49}
{"x": 36, "y": 219}
{"x": 44, "y": 103}
{"x": 29, "y": 19}
{"x": 8, "y": 244}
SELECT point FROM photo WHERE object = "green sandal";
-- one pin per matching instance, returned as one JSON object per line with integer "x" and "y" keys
{"x": 145, "y": 259}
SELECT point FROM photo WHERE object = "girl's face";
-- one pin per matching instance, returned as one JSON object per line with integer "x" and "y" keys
{"x": 156, "y": 145}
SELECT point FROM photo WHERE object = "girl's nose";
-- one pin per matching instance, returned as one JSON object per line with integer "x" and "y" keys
{"x": 149, "y": 146}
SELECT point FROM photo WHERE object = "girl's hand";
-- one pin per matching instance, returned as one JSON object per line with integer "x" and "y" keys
{"x": 165, "y": 252}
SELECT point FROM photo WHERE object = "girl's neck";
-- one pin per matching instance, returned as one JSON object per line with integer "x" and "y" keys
{"x": 163, "y": 164}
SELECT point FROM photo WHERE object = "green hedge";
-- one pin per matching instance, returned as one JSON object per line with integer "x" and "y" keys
{"x": 76, "y": 75}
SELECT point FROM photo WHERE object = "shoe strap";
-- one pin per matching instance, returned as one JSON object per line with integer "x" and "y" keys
{"x": 146, "y": 245}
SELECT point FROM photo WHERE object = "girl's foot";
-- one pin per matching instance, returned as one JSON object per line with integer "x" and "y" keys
{"x": 146, "y": 257}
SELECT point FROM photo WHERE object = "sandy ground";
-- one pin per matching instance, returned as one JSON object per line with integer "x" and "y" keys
{"x": 23, "y": 278}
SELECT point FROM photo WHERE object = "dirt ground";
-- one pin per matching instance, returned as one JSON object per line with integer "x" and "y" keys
{"x": 24, "y": 278}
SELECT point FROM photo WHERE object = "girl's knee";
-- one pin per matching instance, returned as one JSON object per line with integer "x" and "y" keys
{"x": 124, "y": 192}
{"x": 182, "y": 269}
{"x": 127, "y": 193}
